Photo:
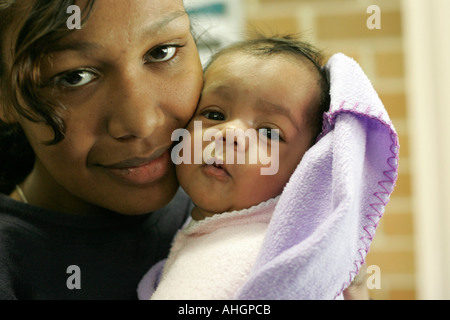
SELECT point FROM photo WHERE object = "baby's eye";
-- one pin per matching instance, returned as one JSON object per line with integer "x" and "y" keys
{"x": 77, "y": 78}
{"x": 214, "y": 115}
{"x": 162, "y": 53}
{"x": 272, "y": 134}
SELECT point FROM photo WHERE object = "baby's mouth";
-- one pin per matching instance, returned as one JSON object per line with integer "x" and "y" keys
{"x": 220, "y": 167}
{"x": 217, "y": 170}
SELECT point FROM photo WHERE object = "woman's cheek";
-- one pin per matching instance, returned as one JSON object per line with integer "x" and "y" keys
{"x": 192, "y": 97}
{"x": 187, "y": 90}
{"x": 37, "y": 133}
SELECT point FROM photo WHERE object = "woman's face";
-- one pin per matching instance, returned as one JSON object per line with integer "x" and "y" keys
{"x": 128, "y": 78}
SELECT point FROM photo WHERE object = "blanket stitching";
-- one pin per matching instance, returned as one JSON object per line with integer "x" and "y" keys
{"x": 374, "y": 217}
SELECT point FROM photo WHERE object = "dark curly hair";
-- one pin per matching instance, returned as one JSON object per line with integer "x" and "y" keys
{"x": 42, "y": 23}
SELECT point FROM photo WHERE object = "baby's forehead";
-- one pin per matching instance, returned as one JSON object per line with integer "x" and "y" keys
{"x": 266, "y": 81}
{"x": 237, "y": 55}
{"x": 243, "y": 62}
{"x": 234, "y": 69}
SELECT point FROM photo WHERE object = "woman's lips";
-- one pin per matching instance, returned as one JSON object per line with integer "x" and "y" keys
{"x": 141, "y": 171}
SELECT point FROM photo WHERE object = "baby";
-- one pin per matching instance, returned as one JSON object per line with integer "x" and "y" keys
{"x": 276, "y": 87}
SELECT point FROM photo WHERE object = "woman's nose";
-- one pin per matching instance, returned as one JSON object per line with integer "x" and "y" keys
{"x": 135, "y": 110}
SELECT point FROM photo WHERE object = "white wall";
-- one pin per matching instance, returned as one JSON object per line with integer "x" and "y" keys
{"x": 216, "y": 23}
{"x": 427, "y": 48}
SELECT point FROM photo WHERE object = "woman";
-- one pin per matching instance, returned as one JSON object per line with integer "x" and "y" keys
{"x": 85, "y": 131}
{"x": 98, "y": 106}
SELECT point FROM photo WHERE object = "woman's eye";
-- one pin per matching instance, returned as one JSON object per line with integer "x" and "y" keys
{"x": 76, "y": 78}
{"x": 272, "y": 134}
{"x": 214, "y": 115}
{"x": 162, "y": 53}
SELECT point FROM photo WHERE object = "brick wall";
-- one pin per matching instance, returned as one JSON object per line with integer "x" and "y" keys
{"x": 340, "y": 26}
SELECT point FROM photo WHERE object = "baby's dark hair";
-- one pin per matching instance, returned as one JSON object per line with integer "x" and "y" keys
{"x": 269, "y": 46}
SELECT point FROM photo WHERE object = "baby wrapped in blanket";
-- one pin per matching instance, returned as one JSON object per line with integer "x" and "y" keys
{"x": 301, "y": 228}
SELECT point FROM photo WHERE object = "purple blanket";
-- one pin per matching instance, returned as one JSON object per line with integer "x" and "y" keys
{"x": 327, "y": 215}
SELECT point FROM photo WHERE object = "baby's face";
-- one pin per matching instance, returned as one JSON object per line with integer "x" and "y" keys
{"x": 266, "y": 95}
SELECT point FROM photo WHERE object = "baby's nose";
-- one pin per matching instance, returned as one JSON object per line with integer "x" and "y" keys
{"x": 234, "y": 136}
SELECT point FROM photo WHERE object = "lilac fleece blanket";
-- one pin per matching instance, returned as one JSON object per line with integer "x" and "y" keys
{"x": 328, "y": 213}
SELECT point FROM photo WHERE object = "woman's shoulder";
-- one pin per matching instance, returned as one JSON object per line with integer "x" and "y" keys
{"x": 12, "y": 213}
{"x": 20, "y": 218}
{"x": 15, "y": 221}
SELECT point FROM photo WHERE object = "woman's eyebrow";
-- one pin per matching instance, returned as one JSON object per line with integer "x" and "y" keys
{"x": 153, "y": 29}
{"x": 74, "y": 46}
{"x": 156, "y": 27}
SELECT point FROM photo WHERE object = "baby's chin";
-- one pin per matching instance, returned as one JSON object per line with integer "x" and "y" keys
{"x": 202, "y": 210}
